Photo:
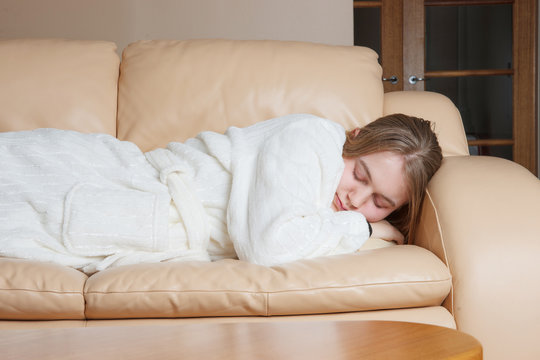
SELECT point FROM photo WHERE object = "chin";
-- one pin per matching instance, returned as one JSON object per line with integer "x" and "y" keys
{"x": 374, "y": 219}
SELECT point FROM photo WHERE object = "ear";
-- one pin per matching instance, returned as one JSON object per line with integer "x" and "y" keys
{"x": 355, "y": 132}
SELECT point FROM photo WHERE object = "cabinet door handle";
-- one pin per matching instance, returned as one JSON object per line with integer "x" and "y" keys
{"x": 393, "y": 79}
{"x": 413, "y": 79}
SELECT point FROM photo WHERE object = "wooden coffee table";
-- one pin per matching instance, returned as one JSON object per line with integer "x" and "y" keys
{"x": 268, "y": 340}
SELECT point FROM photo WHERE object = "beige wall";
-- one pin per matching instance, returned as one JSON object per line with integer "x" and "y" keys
{"x": 125, "y": 21}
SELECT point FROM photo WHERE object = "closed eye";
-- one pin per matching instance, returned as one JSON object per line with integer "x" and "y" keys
{"x": 359, "y": 178}
{"x": 382, "y": 202}
{"x": 378, "y": 206}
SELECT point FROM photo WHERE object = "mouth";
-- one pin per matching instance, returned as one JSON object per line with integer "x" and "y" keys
{"x": 338, "y": 203}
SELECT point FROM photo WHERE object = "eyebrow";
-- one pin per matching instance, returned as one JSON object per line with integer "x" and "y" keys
{"x": 368, "y": 174}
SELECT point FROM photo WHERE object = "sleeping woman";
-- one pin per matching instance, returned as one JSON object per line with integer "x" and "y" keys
{"x": 289, "y": 188}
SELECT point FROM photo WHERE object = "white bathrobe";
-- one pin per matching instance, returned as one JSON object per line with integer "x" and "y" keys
{"x": 261, "y": 193}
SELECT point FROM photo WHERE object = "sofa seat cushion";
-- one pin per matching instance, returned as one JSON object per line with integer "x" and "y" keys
{"x": 31, "y": 290}
{"x": 386, "y": 278}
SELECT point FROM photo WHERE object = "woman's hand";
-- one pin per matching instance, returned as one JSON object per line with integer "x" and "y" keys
{"x": 383, "y": 230}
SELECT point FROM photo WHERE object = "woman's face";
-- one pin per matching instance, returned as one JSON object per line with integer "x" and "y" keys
{"x": 373, "y": 185}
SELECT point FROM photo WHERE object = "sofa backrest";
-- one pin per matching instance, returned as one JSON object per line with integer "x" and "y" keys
{"x": 64, "y": 84}
{"x": 172, "y": 90}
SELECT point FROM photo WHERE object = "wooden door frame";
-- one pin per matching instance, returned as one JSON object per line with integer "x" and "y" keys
{"x": 525, "y": 84}
{"x": 414, "y": 33}
{"x": 392, "y": 51}
{"x": 391, "y": 56}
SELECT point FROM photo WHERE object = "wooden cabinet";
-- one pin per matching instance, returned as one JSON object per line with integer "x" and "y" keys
{"x": 479, "y": 53}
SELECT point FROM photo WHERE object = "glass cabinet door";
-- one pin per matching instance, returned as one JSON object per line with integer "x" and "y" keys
{"x": 479, "y": 53}
{"x": 468, "y": 57}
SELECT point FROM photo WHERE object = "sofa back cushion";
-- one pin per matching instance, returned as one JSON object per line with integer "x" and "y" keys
{"x": 57, "y": 83}
{"x": 172, "y": 90}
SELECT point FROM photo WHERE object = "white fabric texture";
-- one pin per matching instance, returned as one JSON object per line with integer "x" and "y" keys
{"x": 261, "y": 193}
{"x": 87, "y": 201}
{"x": 285, "y": 174}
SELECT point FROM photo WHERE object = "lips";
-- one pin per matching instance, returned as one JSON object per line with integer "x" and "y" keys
{"x": 338, "y": 203}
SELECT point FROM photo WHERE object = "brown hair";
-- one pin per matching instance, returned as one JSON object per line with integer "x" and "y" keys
{"x": 414, "y": 139}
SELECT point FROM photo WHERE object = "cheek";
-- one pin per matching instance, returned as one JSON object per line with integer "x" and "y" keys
{"x": 374, "y": 214}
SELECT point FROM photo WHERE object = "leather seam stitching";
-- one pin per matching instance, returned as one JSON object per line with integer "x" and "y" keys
{"x": 406, "y": 283}
{"x": 443, "y": 243}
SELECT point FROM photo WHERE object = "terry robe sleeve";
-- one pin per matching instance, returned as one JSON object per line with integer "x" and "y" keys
{"x": 285, "y": 174}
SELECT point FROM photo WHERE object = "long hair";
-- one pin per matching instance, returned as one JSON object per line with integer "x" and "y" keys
{"x": 414, "y": 139}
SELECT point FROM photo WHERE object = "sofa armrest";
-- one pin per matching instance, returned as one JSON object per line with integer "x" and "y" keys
{"x": 481, "y": 216}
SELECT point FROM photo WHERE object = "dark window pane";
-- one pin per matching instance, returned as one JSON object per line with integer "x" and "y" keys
{"x": 485, "y": 103}
{"x": 504, "y": 152}
{"x": 468, "y": 37}
{"x": 367, "y": 28}
{"x": 499, "y": 151}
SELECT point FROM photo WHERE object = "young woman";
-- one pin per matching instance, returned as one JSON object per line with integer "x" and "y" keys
{"x": 404, "y": 154}
{"x": 284, "y": 189}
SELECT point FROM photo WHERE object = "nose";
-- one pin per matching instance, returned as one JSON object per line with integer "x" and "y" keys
{"x": 358, "y": 197}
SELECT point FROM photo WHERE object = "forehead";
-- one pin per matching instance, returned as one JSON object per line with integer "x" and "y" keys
{"x": 387, "y": 173}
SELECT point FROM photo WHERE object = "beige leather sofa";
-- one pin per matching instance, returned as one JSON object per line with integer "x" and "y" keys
{"x": 472, "y": 267}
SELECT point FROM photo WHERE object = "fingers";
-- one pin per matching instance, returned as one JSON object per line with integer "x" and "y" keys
{"x": 399, "y": 238}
